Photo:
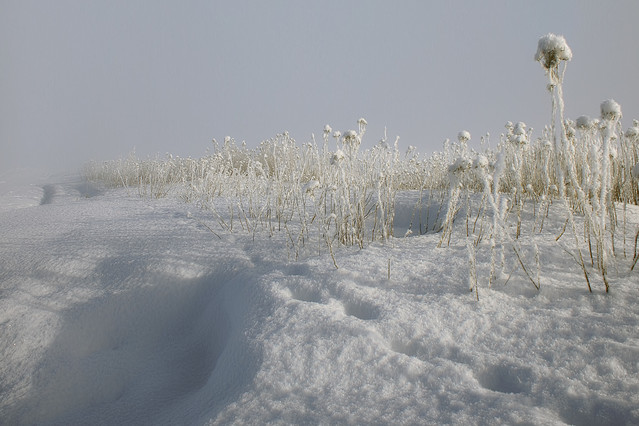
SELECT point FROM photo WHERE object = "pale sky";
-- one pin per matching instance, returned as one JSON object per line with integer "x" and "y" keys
{"x": 92, "y": 80}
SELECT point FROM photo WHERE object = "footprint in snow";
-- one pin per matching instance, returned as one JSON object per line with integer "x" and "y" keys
{"x": 506, "y": 378}
{"x": 48, "y": 194}
{"x": 305, "y": 294}
{"x": 361, "y": 309}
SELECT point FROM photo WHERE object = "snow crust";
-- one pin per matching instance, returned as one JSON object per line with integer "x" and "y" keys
{"x": 121, "y": 310}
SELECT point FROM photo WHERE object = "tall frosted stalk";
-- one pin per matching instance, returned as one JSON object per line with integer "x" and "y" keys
{"x": 552, "y": 50}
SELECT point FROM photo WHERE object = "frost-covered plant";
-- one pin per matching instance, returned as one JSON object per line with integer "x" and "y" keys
{"x": 603, "y": 207}
{"x": 463, "y": 136}
{"x": 552, "y": 51}
{"x": 456, "y": 174}
{"x": 385, "y": 163}
{"x": 341, "y": 193}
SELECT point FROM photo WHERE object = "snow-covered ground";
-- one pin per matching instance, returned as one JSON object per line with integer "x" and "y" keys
{"x": 121, "y": 310}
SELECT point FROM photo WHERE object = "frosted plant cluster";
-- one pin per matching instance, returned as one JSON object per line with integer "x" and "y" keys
{"x": 333, "y": 192}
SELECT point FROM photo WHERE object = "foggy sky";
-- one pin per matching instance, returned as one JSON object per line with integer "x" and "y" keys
{"x": 93, "y": 80}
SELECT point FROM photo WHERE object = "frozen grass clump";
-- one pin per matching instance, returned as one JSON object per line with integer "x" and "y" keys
{"x": 335, "y": 192}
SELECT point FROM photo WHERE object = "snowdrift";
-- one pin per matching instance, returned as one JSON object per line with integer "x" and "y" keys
{"x": 121, "y": 310}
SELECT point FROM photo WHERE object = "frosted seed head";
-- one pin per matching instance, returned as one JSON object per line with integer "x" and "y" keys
{"x": 583, "y": 122}
{"x": 518, "y": 134}
{"x": 519, "y": 139}
{"x": 362, "y": 128}
{"x": 337, "y": 157}
{"x": 327, "y": 129}
{"x": 610, "y": 110}
{"x": 632, "y": 132}
{"x": 481, "y": 162}
{"x": 520, "y": 128}
{"x": 351, "y": 138}
{"x": 459, "y": 166}
{"x": 551, "y": 49}
{"x": 570, "y": 128}
{"x": 463, "y": 136}
{"x": 350, "y": 134}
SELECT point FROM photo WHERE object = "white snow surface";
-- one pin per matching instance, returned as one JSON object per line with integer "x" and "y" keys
{"x": 120, "y": 310}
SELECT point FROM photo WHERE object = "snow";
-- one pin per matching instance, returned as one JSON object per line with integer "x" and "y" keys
{"x": 17, "y": 189}
{"x": 116, "y": 309}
